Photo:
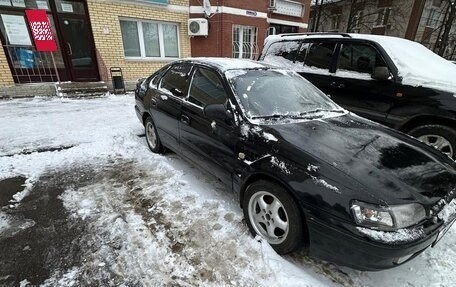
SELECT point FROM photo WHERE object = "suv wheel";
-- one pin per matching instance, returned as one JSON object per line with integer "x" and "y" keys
{"x": 273, "y": 214}
{"x": 441, "y": 137}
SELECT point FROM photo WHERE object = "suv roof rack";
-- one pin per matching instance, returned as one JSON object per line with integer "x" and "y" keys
{"x": 316, "y": 33}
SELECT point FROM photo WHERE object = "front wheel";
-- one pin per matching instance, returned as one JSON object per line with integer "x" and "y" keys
{"x": 440, "y": 137}
{"x": 153, "y": 141}
{"x": 273, "y": 214}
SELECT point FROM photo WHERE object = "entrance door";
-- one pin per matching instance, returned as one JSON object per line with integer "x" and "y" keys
{"x": 77, "y": 41}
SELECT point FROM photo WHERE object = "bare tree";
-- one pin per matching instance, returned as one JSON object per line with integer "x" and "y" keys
{"x": 445, "y": 29}
{"x": 362, "y": 15}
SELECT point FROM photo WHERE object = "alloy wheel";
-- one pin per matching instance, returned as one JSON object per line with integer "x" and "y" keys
{"x": 268, "y": 217}
{"x": 151, "y": 135}
{"x": 438, "y": 142}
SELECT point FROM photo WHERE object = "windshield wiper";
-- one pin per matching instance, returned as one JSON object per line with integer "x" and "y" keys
{"x": 278, "y": 116}
{"x": 321, "y": 110}
{"x": 303, "y": 115}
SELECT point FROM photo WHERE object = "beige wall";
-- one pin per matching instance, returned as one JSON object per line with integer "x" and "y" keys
{"x": 5, "y": 74}
{"x": 104, "y": 16}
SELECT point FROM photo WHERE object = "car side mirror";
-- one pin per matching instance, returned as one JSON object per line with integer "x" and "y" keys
{"x": 381, "y": 73}
{"x": 218, "y": 112}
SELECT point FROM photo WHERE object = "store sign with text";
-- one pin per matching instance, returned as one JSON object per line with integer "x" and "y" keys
{"x": 41, "y": 29}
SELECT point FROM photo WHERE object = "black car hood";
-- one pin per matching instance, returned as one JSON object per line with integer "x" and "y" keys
{"x": 386, "y": 162}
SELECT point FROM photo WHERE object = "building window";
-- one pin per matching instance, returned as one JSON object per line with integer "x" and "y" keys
{"x": 433, "y": 18}
{"x": 143, "y": 39}
{"x": 244, "y": 42}
{"x": 383, "y": 16}
{"x": 335, "y": 22}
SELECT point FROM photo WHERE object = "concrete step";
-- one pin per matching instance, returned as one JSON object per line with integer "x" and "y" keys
{"x": 81, "y": 87}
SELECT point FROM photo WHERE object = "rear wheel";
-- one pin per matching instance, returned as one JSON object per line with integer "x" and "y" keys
{"x": 273, "y": 214}
{"x": 441, "y": 137}
{"x": 153, "y": 141}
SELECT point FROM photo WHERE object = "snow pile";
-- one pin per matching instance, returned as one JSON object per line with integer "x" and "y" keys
{"x": 448, "y": 212}
{"x": 11, "y": 225}
{"x": 269, "y": 137}
{"x": 323, "y": 183}
{"x": 280, "y": 164}
{"x": 68, "y": 279}
{"x": 247, "y": 130}
{"x": 311, "y": 167}
{"x": 20, "y": 195}
{"x": 4, "y": 222}
{"x": 396, "y": 237}
{"x": 231, "y": 64}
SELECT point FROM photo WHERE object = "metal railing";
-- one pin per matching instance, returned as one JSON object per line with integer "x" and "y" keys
{"x": 31, "y": 66}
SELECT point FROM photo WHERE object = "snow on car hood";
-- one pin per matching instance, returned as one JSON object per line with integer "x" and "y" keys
{"x": 417, "y": 65}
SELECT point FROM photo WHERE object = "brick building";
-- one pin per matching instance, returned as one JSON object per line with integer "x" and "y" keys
{"x": 138, "y": 36}
{"x": 238, "y": 28}
{"x": 93, "y": 36}
{"x": 417, "y": 20}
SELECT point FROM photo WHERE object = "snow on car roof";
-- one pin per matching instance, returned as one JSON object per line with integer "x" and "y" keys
{"x": 225, "y": 64}
{"x": 417, "y": 65}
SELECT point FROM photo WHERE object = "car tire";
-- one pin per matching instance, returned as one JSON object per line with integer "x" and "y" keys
{"x": 152, "y": 139}
{"x": 441, "y": 137}
{"x": 274, "y": 215}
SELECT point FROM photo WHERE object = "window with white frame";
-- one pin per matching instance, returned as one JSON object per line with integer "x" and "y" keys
{"x": 433, "y": 18}
{"x": 383, "y": 16}
{"x": 144, "y": 39}
{"x": 244, "y": 41}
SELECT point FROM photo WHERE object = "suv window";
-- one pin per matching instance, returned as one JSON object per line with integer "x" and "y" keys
{"x": 360, "y": 58}
{"x": 175, "y": 80}
{"x": 319, "y": 55}
{"x": 287, "y": 50}
{"x": 206, "y": 88}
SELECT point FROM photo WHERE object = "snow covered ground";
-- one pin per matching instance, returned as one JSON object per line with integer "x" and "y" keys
{"x": 153, "y": 220}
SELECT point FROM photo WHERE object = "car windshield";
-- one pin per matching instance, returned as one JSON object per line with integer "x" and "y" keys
{"x": 278, "y": 93}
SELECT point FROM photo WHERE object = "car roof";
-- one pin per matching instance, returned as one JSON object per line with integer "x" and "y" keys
{"x": 331, "y": 35}
{"x": 225, "y": 64}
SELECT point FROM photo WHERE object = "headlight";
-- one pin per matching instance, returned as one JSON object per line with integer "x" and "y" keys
{"x": 387, "y": 218}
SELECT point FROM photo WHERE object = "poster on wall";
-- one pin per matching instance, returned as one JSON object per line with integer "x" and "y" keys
{"x": 43, "y": 36}
{"x": 5, "y": 3}
{"x": 16, "y": 30}
{"x": 18, "y": 3}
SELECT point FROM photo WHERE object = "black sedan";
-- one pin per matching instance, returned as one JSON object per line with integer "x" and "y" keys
{"x": 308, "y": 173}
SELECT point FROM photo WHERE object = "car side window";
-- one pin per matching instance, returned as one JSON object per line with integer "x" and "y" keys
{"x": 288, "y": 50}
{"x": 176, "y": 79}
{"x": 359, "y": 58}
{"x": 319, "y": 55}
{"x": 302, "y": 53}
{"x": 206, "y": 88}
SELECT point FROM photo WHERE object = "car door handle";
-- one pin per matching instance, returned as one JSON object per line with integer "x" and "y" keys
{"x": 153, "y": 103}
{"x": 337, "y": 85}
{"x": 185, "y": 119}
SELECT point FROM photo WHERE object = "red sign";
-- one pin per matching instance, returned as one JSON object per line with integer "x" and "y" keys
{"x": 41, "y": 30}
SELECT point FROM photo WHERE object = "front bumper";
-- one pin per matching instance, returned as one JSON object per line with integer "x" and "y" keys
{"x": 348, "y": 249}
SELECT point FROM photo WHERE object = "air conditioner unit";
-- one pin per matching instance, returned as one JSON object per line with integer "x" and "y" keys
{"x": 272, "y": 5}
{"x": 198, "y": 27}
